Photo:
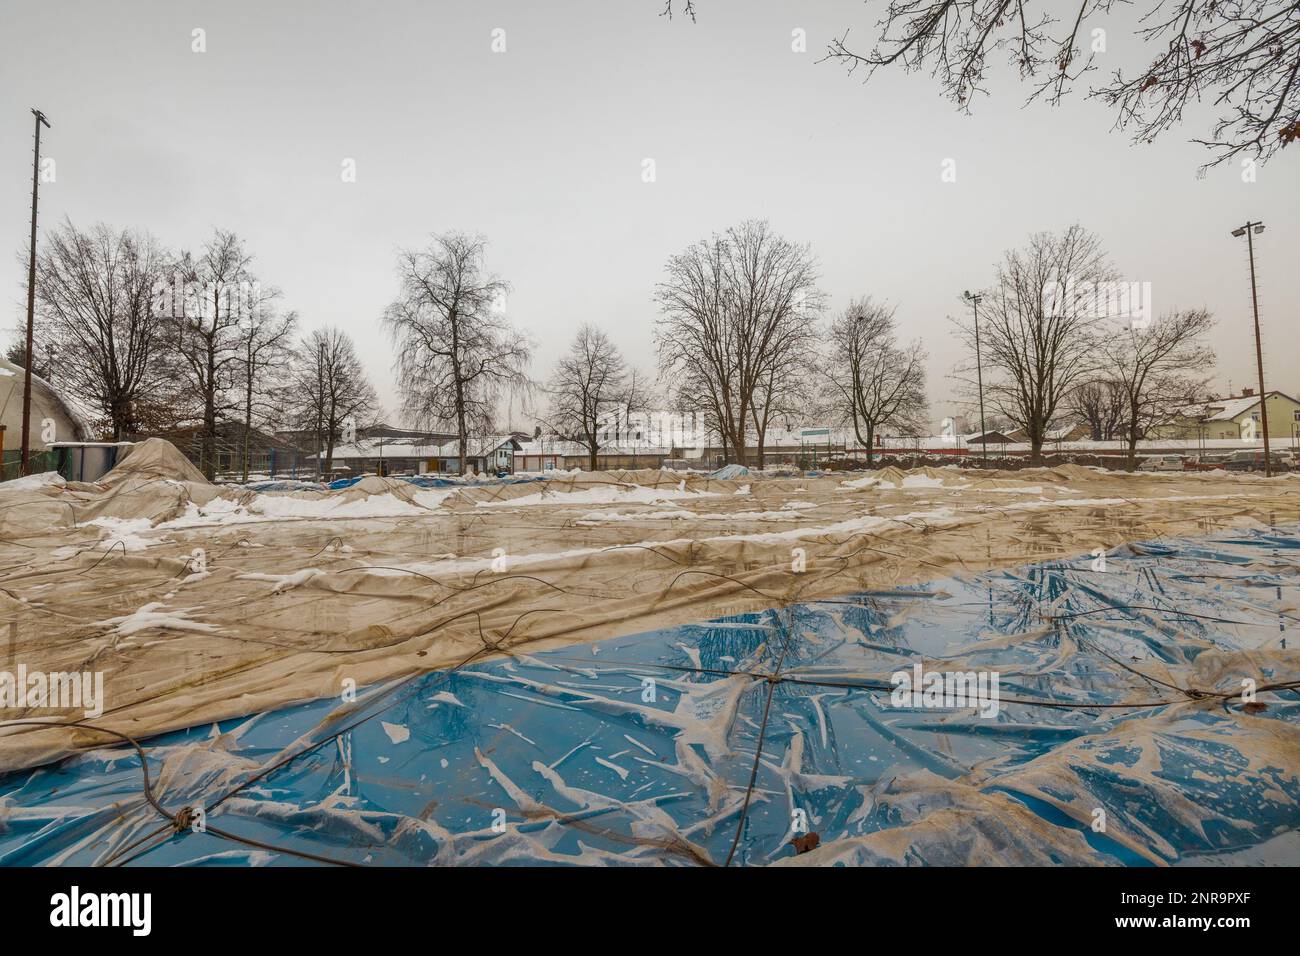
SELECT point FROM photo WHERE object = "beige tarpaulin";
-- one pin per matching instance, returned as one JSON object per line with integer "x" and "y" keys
{"x": 199, "y": 603}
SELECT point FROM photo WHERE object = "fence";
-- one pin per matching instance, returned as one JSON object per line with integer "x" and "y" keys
{"x": 12, "y": 466}
{"x": 265, "y": 460}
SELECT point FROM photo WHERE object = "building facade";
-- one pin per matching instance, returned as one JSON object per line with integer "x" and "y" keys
{"x": 1236, "y": 417}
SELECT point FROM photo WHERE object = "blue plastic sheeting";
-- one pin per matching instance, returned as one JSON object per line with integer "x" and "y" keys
{"x": 640, "y": 749}
{"x": 730, "y": 472}
{"x": 432, "y": 481}
{"x": 287, "y": 484}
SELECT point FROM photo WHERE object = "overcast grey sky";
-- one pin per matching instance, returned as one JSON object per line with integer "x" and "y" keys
{"x": 541, "y": 148}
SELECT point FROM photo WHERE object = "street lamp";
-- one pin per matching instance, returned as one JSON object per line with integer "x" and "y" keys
{"x": 1250, "y": 230}
{"x": 974, "y": 300}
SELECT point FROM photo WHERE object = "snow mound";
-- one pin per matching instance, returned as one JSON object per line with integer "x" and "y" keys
{"x": 46, "y": 479}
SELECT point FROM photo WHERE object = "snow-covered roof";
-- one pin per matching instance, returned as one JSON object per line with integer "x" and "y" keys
{"x": 1081, "y": 446}
{"x": 635, "y": 449}
{"x": 90, "y": 444}
{"x": 415, "y": 448}
{"x": 576, "y": 449}
{"x": 72, "y": 418}
{"x": 552, "y": 446}
{"x": 794, "y": 436}
{"x": 1057, "y": 434}
{"x": 1223, "y": 409}
{"x": 1229, "y": 409}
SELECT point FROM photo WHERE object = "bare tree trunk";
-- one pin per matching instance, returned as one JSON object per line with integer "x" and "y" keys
{"x": 121, "y": 420}
{"x": 248, "y": 423}
{"x": 331, "y": 424}
{"x": 461, "y": 429}
{"x": 1131, "y": 463}
{"x": 738, "y": 435}
{"x": 209, "y": 436}
{"x": 210, "y": 394}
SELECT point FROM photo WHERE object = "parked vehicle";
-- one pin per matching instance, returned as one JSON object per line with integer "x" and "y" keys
{"x": 1254, "y": 461}
{"x": 1206, "y": 462}
{"x": 1162, "y": 463}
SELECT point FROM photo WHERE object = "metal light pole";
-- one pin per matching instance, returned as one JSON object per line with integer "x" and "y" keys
{"x": 974, "y": 300}
{"x": 31, "y": 295}
{"x": 1250, "y": 230}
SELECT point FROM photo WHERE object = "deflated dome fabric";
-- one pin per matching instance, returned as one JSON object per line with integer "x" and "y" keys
{"x": 153, "y": 458}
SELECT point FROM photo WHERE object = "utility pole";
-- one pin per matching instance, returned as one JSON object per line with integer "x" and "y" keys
{"x": 31, "y": 295}
{"x": 975, "y": 300}
{"x": 1250, "y": 230}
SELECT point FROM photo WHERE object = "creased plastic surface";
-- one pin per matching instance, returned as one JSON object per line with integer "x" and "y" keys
{"x": 640, "y": 749}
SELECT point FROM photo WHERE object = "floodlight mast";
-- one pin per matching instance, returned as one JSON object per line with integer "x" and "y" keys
{"x": 974, "y": 300}
{"x": 1249, "y": 230}
{"x": 25, "y": 464}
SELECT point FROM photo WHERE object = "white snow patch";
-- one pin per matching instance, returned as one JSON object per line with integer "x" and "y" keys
{"x": 128, "y": 531}
{"x": 150, "y": 616}
{"x": 621, "y": 771}
{"x": 34, "y": 482}
{"x": 397, "y": 733}
{"x": 269, "y": 507}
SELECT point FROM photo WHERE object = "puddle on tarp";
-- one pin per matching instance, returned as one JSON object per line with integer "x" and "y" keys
{"x": 640, "y": 749}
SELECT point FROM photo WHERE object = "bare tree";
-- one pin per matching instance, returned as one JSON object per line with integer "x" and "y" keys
{"x": 788, "y": 389}
{"x": 1156, "y": 368}
{"x": 873, "y": 381}
{"x": 267, "y": 352}
{"x": 1036, "y": 333}
{"x": 690, "y": 392}
{"x": 638, "y": 398}
{"x": 331, "y": 391}
{"x": 688, "y": 9}
{"x": 41, "y": 366}
{"x": 587, "y": 388}
{"x": 738, "y": 314}
{"x": 1241, "y": 55}
{"x": 214, "y": 305}
{"x": 457, "y": 354}
{"x": 95, "y": 298}
{"x": 1099, "y": 404}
